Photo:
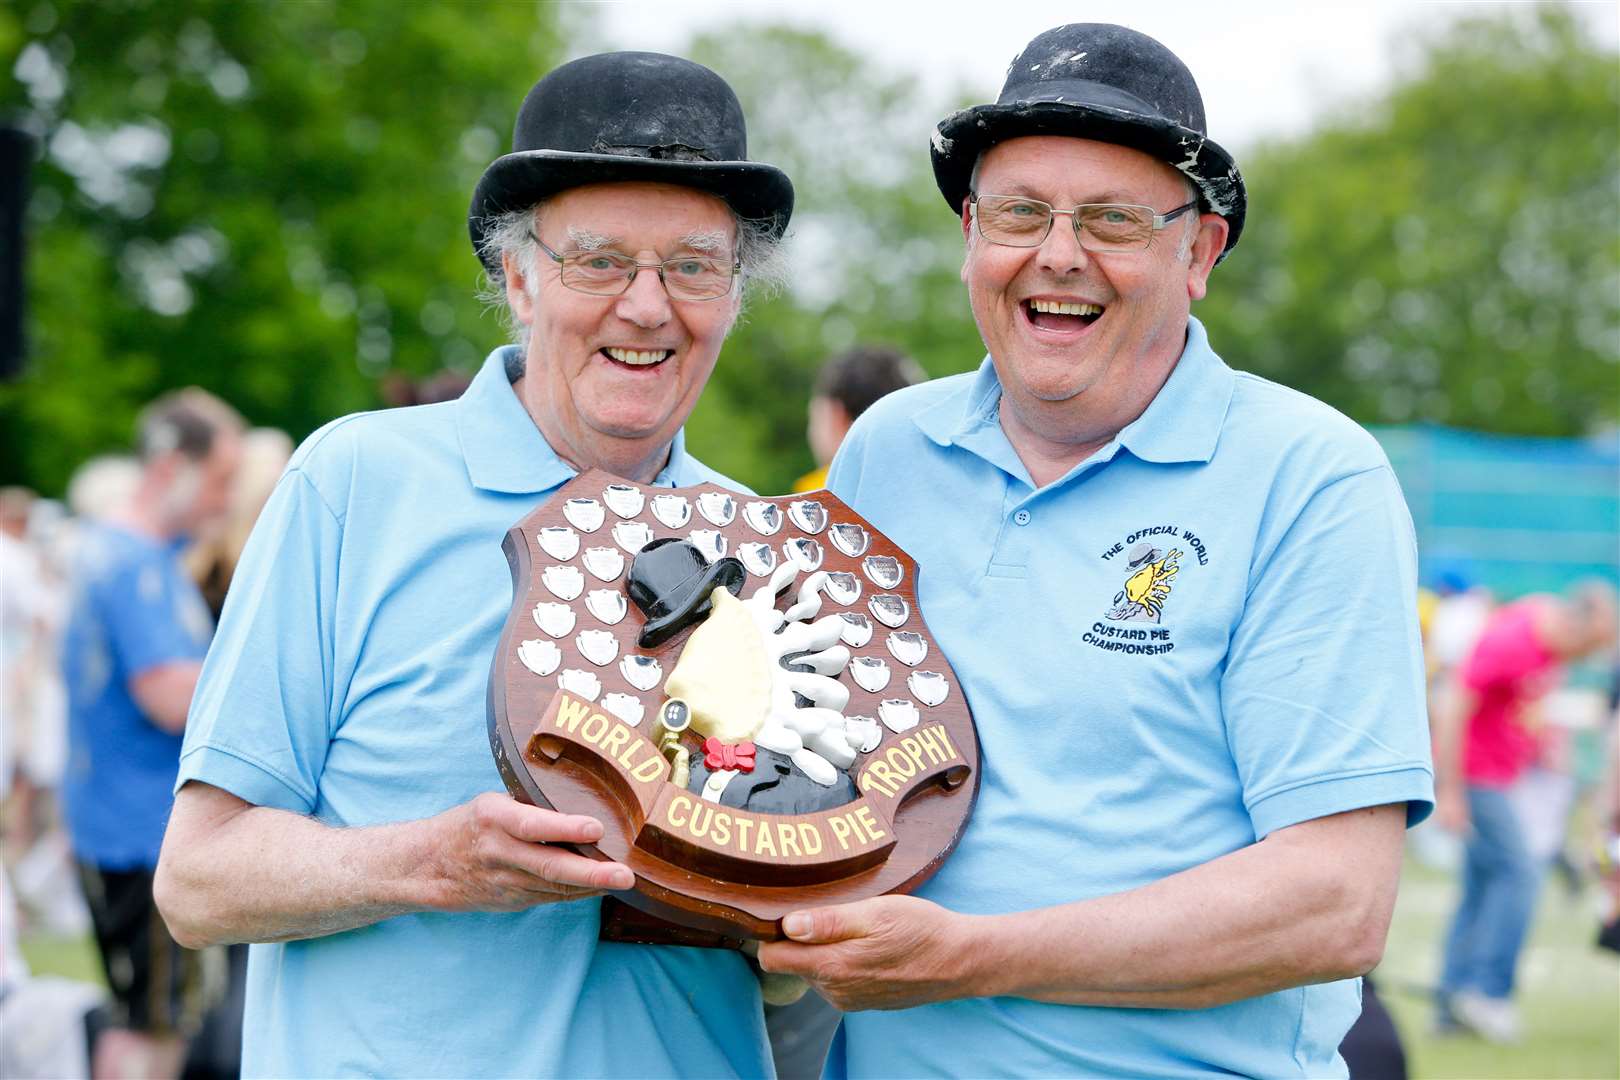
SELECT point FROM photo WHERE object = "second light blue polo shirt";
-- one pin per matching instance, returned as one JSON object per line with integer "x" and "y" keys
{"x": 1203, "y": 633}
{"x": 347, "y": 682}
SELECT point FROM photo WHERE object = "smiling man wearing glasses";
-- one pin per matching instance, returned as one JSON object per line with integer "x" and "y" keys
{"x": 1180, "y": 601}
{"x": 337, "y": 802}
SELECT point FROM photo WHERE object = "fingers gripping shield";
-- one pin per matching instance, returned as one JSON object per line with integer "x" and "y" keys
{"x": 765, "y": 748}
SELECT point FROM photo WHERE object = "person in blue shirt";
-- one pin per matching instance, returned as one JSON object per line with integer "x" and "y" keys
{"x": 132, "y": 648}
{"x": 1179, "y": 601}
{"x": 337, "y": 802}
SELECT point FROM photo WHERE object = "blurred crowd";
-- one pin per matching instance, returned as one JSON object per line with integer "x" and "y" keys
{"x": 111, "y": 593}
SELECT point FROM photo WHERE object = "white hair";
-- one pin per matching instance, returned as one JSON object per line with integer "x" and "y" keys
{"x": 512, "y": 234}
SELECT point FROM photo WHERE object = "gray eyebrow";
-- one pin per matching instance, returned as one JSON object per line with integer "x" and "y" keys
{"x": 709, "y": 241}
{"x": 585, "y": 240}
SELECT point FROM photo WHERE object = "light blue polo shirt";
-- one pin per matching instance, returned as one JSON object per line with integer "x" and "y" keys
{"x": 347, "y": 682}
{"x": 1204, "y": 632}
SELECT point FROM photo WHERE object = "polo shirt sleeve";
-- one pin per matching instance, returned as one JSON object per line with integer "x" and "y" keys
{"x": 1323, "y": 694}
{"x": 259, "y": 724}
{"x": 150, "y": 613}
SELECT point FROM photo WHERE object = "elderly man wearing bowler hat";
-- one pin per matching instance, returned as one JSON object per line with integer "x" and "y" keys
{"x": 337, "y": 802}
{"x": 1198, "y": 759}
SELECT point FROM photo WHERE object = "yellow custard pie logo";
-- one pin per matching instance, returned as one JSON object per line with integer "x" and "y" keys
{"x": 1150, "y": 561}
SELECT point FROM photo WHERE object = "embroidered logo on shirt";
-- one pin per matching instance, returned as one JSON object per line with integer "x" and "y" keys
{"x": 1150, "y": 560}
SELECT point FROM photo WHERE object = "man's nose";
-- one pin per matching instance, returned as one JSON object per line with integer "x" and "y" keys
{"x": 646, "y": 301}
{"x": 1061, "y": 252}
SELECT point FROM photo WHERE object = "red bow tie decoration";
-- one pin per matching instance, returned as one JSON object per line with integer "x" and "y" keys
{"x": 722, "y": 755}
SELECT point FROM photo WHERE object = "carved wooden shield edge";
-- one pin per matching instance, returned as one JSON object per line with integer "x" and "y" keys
{"x": 926, "y": 819}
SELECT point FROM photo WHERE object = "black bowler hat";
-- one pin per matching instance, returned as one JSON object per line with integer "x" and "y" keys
{"x": 671, "y": 581}
{"x": 1104, "y": 82}
{"x": 630, "y": 116}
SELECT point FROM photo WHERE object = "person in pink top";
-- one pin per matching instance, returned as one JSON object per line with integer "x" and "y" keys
{"x": 1486, "y": 733}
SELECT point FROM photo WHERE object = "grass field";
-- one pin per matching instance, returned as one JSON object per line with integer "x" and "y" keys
{"x": 1569, "y": 991}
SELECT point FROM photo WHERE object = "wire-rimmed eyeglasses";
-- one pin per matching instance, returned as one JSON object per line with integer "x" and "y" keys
{"x": 609, "y": 273}
{"x": 1019, "y": 221}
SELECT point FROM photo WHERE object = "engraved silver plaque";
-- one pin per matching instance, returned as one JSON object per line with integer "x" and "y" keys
{"x": 600, "y": 647}
{"x": 888, "y": 609}
{"x": 760, "y": 559}
{"x": 870, "y": 673}
{"x": 883, "y": 570}
{"x": 907, "y": 647}
{"x": 808, "y": 515}
{"x": 672, "y": 511}
{"x": 843, "y": 587}
{"x": 626, "y": 707}
{"x": 539, "y": 656}
{"x": 717, "y": 508}
{"x": 604, "y": 562}
{"x": 804, "y": 553}
{"x": 559, "y": 541}
{"x": 852, "y": 540}
{"x": 710, "y": 542}
{"x": 624, "y": 499}
{"x": 584, "y": 514}
{"x": 898, "y": 714}
{"x": 555, "y": 619}
{"x": 641, "y": 672}
{"x": 608, "y": 605}
{"x": 583, "y": 684}
{"x": 632, "y": 535}
{"x": 763, "y": 517}
{"x": 565, "y": 582}
{"x": 857, "y": 629}
{"x": 929, "y": 687}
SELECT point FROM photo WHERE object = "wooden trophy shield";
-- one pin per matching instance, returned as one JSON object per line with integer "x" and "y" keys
{"x": 581, "y": 720}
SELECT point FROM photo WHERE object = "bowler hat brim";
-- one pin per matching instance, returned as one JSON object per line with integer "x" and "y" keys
{"x": 963, "y": 136}
{"x": 754, "y": 190}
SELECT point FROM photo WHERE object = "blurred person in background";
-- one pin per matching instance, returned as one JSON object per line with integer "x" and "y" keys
{"x": 136, "y": 634}
{"x": 337, "y": 802}
{"x": 212, "y": 559}
{"x": 33, "y": 713}
{"x": 1488, "y": 733}
{"x": 846, "y": 386}
{"x": 103, "y": 486}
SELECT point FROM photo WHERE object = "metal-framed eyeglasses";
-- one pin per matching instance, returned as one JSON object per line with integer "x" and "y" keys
{"x": 609, "y": 273}
{"x": 1105, "y": 228}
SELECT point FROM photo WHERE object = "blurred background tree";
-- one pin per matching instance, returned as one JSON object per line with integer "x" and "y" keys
{"x": 262, "y": 199}
{"x": 1450, "y": 252}
{"x": 266, "y": 199}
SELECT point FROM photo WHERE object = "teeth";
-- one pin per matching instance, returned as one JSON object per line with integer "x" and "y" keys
{"x": 636, "y": 356}
{"x": 1053, "y": 307}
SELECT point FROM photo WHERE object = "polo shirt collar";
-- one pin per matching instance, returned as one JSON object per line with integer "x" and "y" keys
{"x": 1182, "y": 422}
{"x": 505, "y": 451}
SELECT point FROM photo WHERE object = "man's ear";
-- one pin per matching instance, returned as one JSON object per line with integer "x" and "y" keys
{"x": 1206, "y": 248}
{"x": 519, "y": 290}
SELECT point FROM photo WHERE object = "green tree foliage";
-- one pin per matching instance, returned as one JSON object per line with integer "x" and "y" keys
{"x": 1451, "y": 251}
{"x": 874, "y": 251}
{"x": 259, "y": 198}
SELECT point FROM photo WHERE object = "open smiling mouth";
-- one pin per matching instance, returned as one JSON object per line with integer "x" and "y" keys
{"x": 637, "y": 358}
{"x": 1057, "y": 315}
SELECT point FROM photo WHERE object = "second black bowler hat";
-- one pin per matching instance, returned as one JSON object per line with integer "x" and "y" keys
{"x": 1104, "y": 82}
{"x": 631, "y": 116}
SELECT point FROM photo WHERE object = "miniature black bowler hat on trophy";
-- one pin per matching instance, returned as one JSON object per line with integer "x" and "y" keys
{"x": 1103, "y": 82}
{"x": 631, "y": 116}
{"x": 671, "y": 581}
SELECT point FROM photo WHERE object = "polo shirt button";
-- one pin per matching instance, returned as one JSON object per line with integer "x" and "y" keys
{"x": 1022, "y": 517}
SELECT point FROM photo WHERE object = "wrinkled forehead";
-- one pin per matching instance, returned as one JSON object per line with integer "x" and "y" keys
{"x": 660, "y": 216}
{"x": 1082, "y": 170}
